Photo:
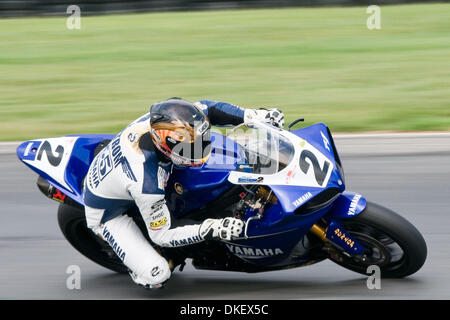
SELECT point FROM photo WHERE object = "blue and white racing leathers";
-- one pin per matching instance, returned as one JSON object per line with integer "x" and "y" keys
{"x": 129, "y": 172}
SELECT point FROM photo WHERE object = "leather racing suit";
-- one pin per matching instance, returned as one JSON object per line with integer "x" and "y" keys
{"x": 130, "y": 172}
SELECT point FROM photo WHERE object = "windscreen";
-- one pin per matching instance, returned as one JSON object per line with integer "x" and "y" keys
{"x": 263, "y": 149}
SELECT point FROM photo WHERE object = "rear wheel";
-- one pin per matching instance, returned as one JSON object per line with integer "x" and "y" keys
{"x": 391, "y": 242}
{"x": 73, "y": 225}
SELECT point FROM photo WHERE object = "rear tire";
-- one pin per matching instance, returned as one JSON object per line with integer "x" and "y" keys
{"x": 72, "y": 222}
{"x": 387, "y": 234}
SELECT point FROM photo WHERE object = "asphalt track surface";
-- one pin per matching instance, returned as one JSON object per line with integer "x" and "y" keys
{"x": 413, "y": 181}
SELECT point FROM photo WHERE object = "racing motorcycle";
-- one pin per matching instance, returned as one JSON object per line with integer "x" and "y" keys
{"x": 288, "y": 186}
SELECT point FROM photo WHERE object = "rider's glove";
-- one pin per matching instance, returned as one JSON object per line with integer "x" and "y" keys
{"x": 273, "y": 116}
{"x": 215, "y": 229}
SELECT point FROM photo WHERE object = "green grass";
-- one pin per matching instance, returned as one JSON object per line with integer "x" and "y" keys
{"x": 319, "y": 63}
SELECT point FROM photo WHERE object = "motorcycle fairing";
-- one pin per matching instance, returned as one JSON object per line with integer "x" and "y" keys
{"x": 62, "y": 161}
{"x": 348, "y": 205}
{"x": 276, "y": 249}
{"x": 330, "y": 201}
{"x": 318, "y": 135}
{"x": 50, "y": 156}
{"x": 308, "y": 166}
{"x": 301, "y": 180}
{"x": 287, "y": 231}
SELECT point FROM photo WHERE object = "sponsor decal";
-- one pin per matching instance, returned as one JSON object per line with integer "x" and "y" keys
{"x": 185, "y": 242}
{"x": 158, "y": 206}
{"x": 93, "y": 179}
{"x": 112, "y": 242}
{"x": 291, "y": 175}
{"x": 302, "y": 143}
{"x": 326, "y": 143}
{"x": 132, "y": 137}
{"x": 250, "y": 180}
{"x": 106, "y": 161}
{"x": 158, "y": 216}
{"x": 101, "y": 167}
{"x": 178, "y": 188}
{"x": 346, "y": 239}
{"x": 28, "y": 149}
{"x": 58, "y": 196}
{"x": 354, "y": 204}
{"x": 155, "y": 271}
{"x": 116, "y": 151}
{"x": 253, "y": 253}
{"x": 158, "y": 224}
{"x": 245, "y": 168}
{"x": 302, "y": 199}
{"x": 163, "y": 176}
{"x": 126, "y": 168}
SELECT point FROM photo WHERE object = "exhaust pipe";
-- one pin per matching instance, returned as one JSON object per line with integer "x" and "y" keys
{"x": 55, "y": 194}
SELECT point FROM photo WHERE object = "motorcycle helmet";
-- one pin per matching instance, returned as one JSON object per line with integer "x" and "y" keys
{"x": 181, "y": 131}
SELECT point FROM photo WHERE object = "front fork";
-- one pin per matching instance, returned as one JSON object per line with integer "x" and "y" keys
{"x": 335, "y": 234}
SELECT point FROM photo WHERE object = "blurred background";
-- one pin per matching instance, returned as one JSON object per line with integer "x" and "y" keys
{"x": 57, "y": 7}
{"x": 313, "y": 59}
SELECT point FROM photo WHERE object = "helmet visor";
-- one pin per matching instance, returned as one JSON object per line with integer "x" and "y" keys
{"x": 191, "y": 153}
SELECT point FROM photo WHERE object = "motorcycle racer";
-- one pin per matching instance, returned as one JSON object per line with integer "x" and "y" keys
{"x": 132, "y": 170}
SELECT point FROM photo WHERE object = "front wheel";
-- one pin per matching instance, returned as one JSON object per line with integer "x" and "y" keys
{"x": 391, "y": 242}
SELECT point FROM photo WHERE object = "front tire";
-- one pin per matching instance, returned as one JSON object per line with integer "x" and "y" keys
{"x": 392, "y": 243}
{"x": 72, "y": 222}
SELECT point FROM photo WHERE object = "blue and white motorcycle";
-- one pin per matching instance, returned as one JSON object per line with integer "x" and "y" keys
{"x": 288, "y": 187}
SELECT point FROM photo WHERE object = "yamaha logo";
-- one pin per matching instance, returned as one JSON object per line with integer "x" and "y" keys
{"x": 253, "y": 253}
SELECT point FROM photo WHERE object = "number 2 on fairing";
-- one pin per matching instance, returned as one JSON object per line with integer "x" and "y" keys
{"x": 53, "y": 159}
{"x": 319, "y": 173}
